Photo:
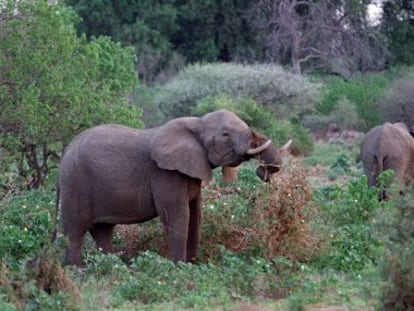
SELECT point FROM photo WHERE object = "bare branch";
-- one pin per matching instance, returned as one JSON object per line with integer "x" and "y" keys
{"x": 297, "y": 31}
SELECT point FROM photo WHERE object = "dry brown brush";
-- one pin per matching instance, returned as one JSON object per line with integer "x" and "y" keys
{"x": 277, "y": 221}
{"x": 46, "y": 273}
{"x": 283, "y": 215}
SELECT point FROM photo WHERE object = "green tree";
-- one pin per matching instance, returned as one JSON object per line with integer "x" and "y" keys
{"x": 398, "y": 26}
{"x": 53, "y": 84}
{"x": 168, "y": 33}
{"x": 144, "y": 24}
{"x": 215, "y": 30}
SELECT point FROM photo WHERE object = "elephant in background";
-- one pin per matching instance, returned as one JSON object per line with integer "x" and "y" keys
{"x": 113, "y": 174}
{"x": 388, "y": 146}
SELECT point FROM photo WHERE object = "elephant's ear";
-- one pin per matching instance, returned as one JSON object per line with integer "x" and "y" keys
{"x": 177, "y": 146}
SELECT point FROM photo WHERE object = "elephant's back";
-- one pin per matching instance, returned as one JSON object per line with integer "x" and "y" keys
{"x": 104, "y": 149}
{"x": 397, "y": 140}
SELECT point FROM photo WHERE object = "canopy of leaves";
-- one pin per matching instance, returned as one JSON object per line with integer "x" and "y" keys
{"x": 165, "y": 33}
{"x": 398, "y": 25}
{"x": 53, "y": 83}
{"x": 333, "y": 36}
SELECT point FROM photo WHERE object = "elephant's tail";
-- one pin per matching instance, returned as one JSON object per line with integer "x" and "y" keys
{"x": 379, "y": 166}
{"x": 54, "y": 232}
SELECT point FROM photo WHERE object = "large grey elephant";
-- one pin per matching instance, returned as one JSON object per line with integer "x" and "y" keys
{"x": 112, "y": 174}
{"x": 388, "y": 146}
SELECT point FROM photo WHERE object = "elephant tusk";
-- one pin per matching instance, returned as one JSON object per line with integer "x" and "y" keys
{"x": 270, "y": 165}
{"x": 259, "y": 149}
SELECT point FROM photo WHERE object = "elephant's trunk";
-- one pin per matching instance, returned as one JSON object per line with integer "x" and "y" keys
{"x": 271, "y": 163}
{"x": 269, "y": 156}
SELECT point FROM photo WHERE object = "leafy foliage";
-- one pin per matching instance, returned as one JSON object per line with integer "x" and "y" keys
{"x": 398, "y": 26}
{"x": 360, "y": 92}
{"x": 350, "y": 209}
{"x": 397, "y": 102}
{"x": 158, "y": 280}
{"x": 167, "y": 34}
{"x": 330, "y": 36}
{"x": 344, "y": 115}
{"x": 396, "y": 230}
{"x": 285, "y": 95}
{"x": 25, "y": 224}
{"x": 55, "y": 84}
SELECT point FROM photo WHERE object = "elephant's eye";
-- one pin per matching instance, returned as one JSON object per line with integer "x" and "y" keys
{"x": 225, "y": 134}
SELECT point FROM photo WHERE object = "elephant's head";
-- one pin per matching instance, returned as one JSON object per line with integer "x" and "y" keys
{"x": 195, "y": 145}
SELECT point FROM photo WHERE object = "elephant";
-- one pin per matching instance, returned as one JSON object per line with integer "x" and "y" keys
{"x": 113, "y": 174}
{"x": 388, "y": 146}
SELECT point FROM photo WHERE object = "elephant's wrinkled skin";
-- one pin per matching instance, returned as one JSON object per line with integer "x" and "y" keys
{"x": 112, "y": 174}
{"x": 388, "y": 146}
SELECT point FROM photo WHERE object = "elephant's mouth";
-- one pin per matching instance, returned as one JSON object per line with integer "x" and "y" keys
{"x": 235, "y": 163}
{"x": 233, "y": 159}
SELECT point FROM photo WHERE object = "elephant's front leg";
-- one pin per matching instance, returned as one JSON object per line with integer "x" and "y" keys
{"x": 172, "y": 204}
{"x": 176, "y": 222}
{"x": 194, "y": 228}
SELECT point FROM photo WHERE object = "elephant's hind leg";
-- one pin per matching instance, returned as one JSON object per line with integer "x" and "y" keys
{"x": 102, "y": 234}
{"x": 73, "y": 252}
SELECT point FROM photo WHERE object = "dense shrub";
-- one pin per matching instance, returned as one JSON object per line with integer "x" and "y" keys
{"x": 344, "y": 115}
{"x": 286, "y": 95}
{"x": 25, "y": 224}
{"x": 396, "y": 229}
{"x": 271, "y": 221}
{"x": 361, "y": 91}
{"x": 257, "y": 117}
{"x": 397, "y": 103}
{"x": 40, "y": 283}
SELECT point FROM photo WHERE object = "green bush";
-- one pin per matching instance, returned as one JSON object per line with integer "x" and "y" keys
{"x": 256, "y": 116}
{"x": 397, "y": 102}
{"x": 344, "y": 114}
{"x": 349, "y": 211}
{"x": 361, "y": 91}
{"x": 396, "y": 230}
{"x": 286, "y": 95}
{"x": 25, "y": 224}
